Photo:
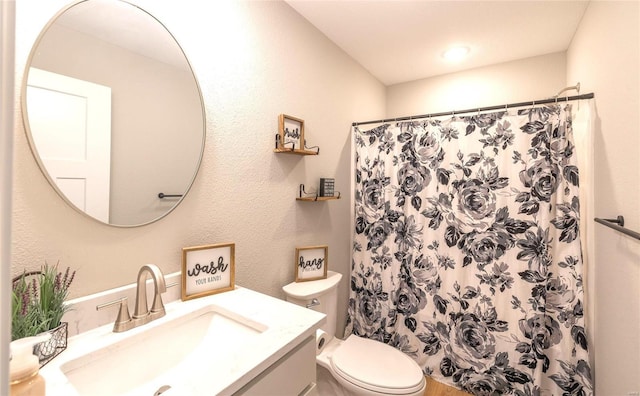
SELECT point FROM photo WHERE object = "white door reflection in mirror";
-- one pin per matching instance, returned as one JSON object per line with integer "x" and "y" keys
{"x": 71, "y": 127}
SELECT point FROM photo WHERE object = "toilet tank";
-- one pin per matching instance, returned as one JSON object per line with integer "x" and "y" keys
{"x": 325, "y": 290}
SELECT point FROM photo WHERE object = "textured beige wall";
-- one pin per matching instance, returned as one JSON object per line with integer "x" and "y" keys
{"x": 253, "y": 60}
{"x": 605, "y": 57}
{"x": 523, "y": 80}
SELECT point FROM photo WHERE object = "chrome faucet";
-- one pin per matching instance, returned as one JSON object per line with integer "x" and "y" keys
{"x": 142, "y": 314}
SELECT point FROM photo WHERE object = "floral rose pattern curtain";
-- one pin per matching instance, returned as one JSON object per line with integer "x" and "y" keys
{"x": 467, "y": 253}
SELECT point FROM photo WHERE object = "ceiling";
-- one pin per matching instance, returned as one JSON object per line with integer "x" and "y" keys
{"x": 399, "y": 41}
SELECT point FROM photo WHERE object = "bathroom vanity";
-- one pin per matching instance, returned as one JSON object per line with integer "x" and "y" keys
{"x": 235, "y": 343}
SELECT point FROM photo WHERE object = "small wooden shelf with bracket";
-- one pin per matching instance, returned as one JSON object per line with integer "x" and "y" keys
{"x": 313, "y": 197}
{"x": 316, "y": 198}
{"x": 292, "y": 150}
{"x": 295, "y": 151}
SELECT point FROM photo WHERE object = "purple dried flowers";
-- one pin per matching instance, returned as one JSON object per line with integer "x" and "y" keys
{"x": 39, "y": 304}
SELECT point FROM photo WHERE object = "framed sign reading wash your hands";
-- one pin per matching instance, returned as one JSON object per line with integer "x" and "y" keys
{"x": 207, "y": 270}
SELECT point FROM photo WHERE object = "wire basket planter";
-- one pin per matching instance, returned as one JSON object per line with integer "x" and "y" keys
{"x": 47, "y": 350}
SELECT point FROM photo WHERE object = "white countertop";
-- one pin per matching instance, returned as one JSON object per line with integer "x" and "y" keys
{"x": 287, "y": 325}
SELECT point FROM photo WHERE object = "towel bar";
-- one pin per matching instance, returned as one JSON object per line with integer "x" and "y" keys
{"x": 618, "y": 225}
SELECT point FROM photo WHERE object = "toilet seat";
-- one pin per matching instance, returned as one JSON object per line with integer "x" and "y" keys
{"x": 385, "y": 369}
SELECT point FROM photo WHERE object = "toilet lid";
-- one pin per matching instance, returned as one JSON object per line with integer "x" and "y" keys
{"x": 376, "y": 366}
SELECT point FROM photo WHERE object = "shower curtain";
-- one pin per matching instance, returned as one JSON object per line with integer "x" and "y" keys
{"x": 466, "y": 252}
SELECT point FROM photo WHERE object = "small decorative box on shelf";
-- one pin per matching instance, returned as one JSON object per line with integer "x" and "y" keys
{"x": 327, "y": 187}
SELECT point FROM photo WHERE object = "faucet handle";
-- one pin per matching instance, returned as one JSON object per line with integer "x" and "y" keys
{"x": 123, "y": 321}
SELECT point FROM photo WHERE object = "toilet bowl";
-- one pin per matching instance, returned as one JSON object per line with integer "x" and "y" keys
{"x": 361, "y": 366}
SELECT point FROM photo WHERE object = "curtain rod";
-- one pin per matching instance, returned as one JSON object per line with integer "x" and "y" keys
{"x": 504, "y": 106}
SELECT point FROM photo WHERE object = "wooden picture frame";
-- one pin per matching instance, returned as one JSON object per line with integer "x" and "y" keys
{"x": 207, "y": 269}
{"x": 311, "y": 263}
{"x": 291, "y": 131}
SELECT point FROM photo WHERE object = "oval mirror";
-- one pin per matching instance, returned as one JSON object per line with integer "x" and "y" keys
{"x": 113, "y": 112}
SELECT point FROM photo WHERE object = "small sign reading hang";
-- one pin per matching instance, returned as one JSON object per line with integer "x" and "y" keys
{"x": 311, "y": 263}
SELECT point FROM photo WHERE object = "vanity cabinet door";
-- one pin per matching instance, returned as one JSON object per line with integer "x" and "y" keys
{"x": 292, "y": 375}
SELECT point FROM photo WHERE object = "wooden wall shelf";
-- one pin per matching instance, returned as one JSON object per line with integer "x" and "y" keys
{"x": 280, "y": 148}
{"x": 315, "y": 198}
{"x": 294, "y": 151}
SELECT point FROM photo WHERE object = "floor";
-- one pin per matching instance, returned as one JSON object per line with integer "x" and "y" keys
{"x": 434, "y": 388}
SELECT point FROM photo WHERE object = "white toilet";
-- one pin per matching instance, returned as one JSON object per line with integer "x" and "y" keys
{"x": 360, "y": 365}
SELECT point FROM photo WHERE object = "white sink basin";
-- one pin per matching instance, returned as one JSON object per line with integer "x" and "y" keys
{"x": 151, "y": 357}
